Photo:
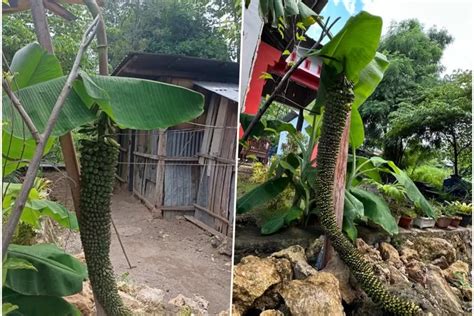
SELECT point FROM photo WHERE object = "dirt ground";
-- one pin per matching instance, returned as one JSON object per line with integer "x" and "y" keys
{"x": 173, "y": 255}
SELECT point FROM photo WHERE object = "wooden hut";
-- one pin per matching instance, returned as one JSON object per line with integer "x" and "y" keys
{"x": 187, "y": 169}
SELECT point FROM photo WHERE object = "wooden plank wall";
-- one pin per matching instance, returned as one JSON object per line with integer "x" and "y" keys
{"x": 215, "y": 200}
{"x": 187, "y": 169}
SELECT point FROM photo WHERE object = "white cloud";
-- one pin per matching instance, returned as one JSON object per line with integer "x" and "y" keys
{"x": 350, "y": 5}
{"x": 455, "y": 16}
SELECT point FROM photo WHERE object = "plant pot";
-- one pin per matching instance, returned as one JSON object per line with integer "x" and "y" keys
{"x": 424, "y": 222}
{"x": 466, "y": 220}
{"x": 443, "y": 221}
{"x": 455, "y": 221}
{"x": 405, "y": 222}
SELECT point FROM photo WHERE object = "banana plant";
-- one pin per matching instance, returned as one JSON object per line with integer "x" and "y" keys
{"x": 35, "y": 278}
{"x": 362, "y": 205}
{"x": 101, "y": 104}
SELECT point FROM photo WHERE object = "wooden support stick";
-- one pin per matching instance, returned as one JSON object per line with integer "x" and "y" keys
{"x": 67, "y": 145}
{"x": 10, "y": 226}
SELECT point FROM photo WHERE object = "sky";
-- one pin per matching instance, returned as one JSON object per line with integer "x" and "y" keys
{"x": 453, "y": 15}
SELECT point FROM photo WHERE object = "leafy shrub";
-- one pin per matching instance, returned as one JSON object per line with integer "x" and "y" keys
{"x": 430, "y": 174}
{"x": 457, "y": 207}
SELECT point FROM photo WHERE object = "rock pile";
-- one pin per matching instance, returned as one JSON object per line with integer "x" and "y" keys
{"x": 426, "y": 270}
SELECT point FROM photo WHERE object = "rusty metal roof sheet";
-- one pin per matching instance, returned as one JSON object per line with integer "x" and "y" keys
{"x": 227, "y": 90}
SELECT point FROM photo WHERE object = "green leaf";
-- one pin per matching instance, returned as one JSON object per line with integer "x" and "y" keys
{"x": 353, "y": 210}
{"x": 59, "y": 274}
{"x": 262, "y": 194}
{"x": 355, "y": 45}
{"x": 286, "y": 52}
{"x": 273, "y": 225}
{"x": 376, "y": 210}
{"x": 356, "y": 132}
{"x": 8, "y": 307}
{"x": 369, "y": 79}
{"x": 134, "y": 103}
{"x": 294, "y": 213}
{"x": 55, "y": 211}
{"x": 265, "y": 76}
{"x": 32, "y": 64}
{"x": 412, "y": 191}
{"x": 287, "y": 166}
{"x": 15, "y": 264}
{"x": 15, "y": 149}
{"x": 40, "y": 305}
{"x": 39, "y": 99}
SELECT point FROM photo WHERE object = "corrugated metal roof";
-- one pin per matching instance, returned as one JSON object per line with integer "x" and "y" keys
{"x": 227, "y": 90}
{"x": 153, "y": 66}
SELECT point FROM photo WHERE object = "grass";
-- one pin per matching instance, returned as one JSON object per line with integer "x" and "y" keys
{"x": 430, "y": 174}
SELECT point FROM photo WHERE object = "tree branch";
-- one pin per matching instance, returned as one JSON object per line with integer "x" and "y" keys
{"x": 21, "y": 110}
{"x": 325, "y": 31}
{"x": 10, "y": 226}
{"x": 102, "y": 46}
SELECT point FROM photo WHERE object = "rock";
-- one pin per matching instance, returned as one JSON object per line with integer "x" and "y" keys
{"x": 339, "y": 269}
{"x": 236, "y": 310}
{"x": 198, "y": 304}
{"x": 150, "y": 296}
{"x": 407, "y": 254}
{"x": 215, "y": 242}
{"x": 225, "y": 248}
{"x": 316, "y": 295}
{"x": 84, "y": 301}
{"x": 370, "y": 253}
{"x": 457, "y": 273}
{"x": 270, "y": 300}
{"x": 131, "y": 302}
{"x": 253, "y": 276}
{"x": 297, "y": 257}
{"x": 397, "y": 275}
{"x": 224, "y": 313}
{"x": 390, "y": 254}
{"x": 446, "y": 302}
{"x": 441, "y": 262}
{"x": 314, "y": 248}
{"x": 431, "y": 249}
{"x": 271, "y": 312}
{"x": 416, "y": 271}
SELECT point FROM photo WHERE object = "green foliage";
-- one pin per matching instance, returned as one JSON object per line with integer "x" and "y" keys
{"x": 18, "y": 31}
{"x": 358, "y": 59}
{"x": 37, "y": 206}
{"x": 284, "y": 218}
{"x": 376, "y": 210}
{"x": 429, "y": 174}
{"x": 39, "y": 305}
{"x": 189, "y": 28}
{"x": 262, "y": 194}
{"x": 277, "y": 12}
{"x": 30, "y": 65}
{"x": 415, "y": 55}
{"x": 132, "y": 103}
{"x": 441, "y": 116}
{"x": 457, "y": 207}
{"x": 56, "y": 272}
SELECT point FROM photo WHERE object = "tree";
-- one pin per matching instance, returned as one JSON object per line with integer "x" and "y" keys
{"x": 414, "y": 55}
{"x": 191, "y": 28}
{"x": 66, "y": 36}
{"x": 442, "y": 117}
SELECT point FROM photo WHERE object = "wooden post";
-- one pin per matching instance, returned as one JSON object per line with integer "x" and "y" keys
{"x": 339, "y": 189}
{"x": 160, "y": 172}
{"x": 67, "y": 145}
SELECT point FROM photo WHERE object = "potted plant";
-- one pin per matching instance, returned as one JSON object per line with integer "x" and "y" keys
{"x": 421, "y": 221}
{"x": 442, "y": 219}
{"x": 406, "y": 218}
{"x": 462, "y": 211}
